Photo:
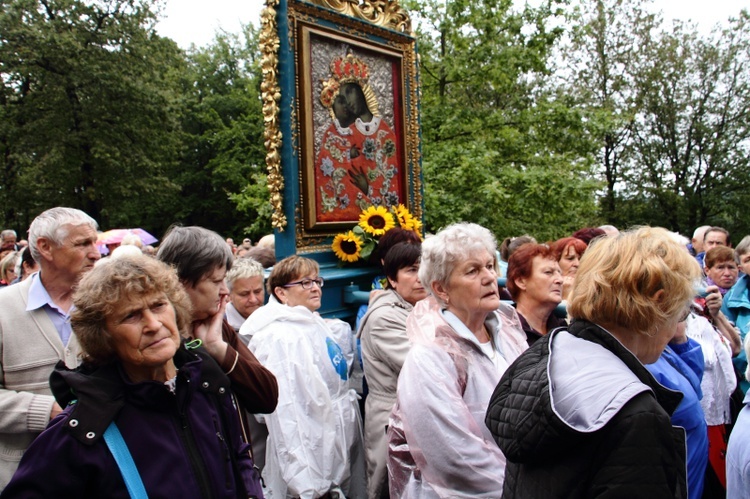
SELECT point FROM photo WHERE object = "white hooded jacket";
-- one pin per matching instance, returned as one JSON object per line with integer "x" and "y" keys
{"x": 315, "y": 435}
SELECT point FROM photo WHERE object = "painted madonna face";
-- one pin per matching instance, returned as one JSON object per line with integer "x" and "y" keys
{"x": 355, "y": 99}
{"x": 342, "y": 112}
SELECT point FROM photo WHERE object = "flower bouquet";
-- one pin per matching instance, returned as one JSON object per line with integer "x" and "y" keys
{"x": 359, "y": 243}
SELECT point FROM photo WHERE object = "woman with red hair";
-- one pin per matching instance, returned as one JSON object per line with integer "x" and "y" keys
{"x": 568, "y": 252}
{"x": 535, "y": 282}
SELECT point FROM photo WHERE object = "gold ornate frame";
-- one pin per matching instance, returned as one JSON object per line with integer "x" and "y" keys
{"x": 377, "y": 27}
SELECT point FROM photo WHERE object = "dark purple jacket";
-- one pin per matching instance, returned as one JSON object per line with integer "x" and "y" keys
{"x": 184, "y": 445}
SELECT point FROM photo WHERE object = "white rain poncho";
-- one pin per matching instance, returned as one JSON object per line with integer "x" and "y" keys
{"x": 439, "y": 445}
{"x": 315, "y": 434}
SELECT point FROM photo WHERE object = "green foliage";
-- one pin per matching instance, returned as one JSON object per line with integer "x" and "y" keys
{"x": 526, "y": 128}
{"x": 222, "y": 169}
{"x": 499, "y": 149}
{"x": 88, "y": 109}
{"x": 668, "y": 109}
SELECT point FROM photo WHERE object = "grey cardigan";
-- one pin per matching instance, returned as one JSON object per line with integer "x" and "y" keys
{"x": 30, "y": 347}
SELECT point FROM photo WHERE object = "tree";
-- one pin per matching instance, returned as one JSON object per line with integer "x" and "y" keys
{"x": 493, "y": 153}
{"x": 89, "y": 109}
{"x": 692, "y": 137}
{"x": 599, "y": 63}
{"x": 222, "y": 172}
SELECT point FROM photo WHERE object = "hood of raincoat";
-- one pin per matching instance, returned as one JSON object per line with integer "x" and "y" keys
{"x": 568, "y": 383}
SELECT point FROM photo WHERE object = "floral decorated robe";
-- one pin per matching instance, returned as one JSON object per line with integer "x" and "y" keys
{"x": 338, "y": 196}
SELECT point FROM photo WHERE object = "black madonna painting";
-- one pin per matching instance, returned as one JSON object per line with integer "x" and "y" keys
{"x": 358, "y": 147}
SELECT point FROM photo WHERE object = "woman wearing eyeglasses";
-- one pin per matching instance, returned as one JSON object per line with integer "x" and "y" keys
{"x": 314, "y": 445}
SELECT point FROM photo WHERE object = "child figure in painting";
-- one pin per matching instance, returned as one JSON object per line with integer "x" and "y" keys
{"x": 357, "y": 163}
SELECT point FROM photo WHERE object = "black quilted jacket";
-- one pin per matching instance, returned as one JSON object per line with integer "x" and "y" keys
{"x": 635, "y": 454}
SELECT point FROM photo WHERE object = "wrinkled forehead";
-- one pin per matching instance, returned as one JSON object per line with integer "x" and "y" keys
{"x": 82, "y": 231}
{"x": 715, "y": 236}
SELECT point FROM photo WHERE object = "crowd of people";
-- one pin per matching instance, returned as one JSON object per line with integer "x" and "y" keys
{"x": 608, "y": 364}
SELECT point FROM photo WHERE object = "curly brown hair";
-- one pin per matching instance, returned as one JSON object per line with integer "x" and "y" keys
{"x": 104, "y": 289}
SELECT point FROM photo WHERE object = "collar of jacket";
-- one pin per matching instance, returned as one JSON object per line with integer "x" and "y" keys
{"x": 96, "y": 394}
{"x": 589, "y": 331}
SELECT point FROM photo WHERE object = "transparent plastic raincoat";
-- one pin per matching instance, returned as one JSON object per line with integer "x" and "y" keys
{"x": 314, "y": 441}
{"x": 439, "y": 445}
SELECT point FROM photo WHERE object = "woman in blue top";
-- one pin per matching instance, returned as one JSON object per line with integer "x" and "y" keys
{"x": 736, "y": 306}
{"x": 680, "y": 367}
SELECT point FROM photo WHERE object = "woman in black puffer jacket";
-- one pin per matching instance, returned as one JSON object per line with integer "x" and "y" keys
{"x": 578, "y": 415}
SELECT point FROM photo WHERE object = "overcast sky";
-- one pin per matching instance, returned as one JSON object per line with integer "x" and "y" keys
{"x": 196, "y": 21}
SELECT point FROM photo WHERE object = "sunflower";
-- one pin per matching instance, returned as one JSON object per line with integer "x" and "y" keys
{"x": 406, "y": 220}
{"x": 347, "y": 246}
{"x": 415, "y": 225}
{"x": 403, "y": 216}
{"x": 376, "y": 220}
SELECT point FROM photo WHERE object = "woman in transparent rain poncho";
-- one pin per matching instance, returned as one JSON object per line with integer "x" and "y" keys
{"x": 314, "y": 447}
{"x": 463, "y": 340}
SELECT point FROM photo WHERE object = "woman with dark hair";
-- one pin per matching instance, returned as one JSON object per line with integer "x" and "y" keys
{"x": 588, "y": 234}
{"x": 382, "y": 332}
{"x": 314, "y": 446}
{"x": 535, "y": 283}
{"x": 202, "y": 259}
{"x": 146, "y": 412}
{"x": 578, "y": 414}
{"x": 391, "y": 238}
{"x": 568, "y": 252}
{"x": 736, "y": 307}
{"x": 27, "y": 265}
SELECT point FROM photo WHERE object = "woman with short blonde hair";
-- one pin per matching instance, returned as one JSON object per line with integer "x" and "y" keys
{"x": 578, "y": 414}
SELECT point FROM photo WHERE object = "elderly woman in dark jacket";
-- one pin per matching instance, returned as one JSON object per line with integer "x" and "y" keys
{"x": 170, "y": 402}
{"x": 578, "y": 415}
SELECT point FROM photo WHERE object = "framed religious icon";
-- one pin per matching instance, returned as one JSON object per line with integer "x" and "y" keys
{"x": 348, "y": 116}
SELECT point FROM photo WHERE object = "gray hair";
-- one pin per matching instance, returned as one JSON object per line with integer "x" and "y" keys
{"x": 243, "y": 268}
{"x": 444, "y": 250}
{"x": 700, "y": 232}
{"x": 132, "y": 240}
{"x": 8, "y": 232}
{"x": 195, "y": 252}
{"x": 51, "y": 224}
{"x": 125, "y": 251}
{"x": 742, "y": 249}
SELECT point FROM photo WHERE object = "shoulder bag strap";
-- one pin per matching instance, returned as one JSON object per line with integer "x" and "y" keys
{"x": 120, "y": 452}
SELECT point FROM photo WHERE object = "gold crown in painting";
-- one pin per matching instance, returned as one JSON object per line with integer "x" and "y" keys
{"x": 347, "y": 69}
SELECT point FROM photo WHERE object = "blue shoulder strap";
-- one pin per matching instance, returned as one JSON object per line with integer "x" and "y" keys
{"x": 120, "y": 452}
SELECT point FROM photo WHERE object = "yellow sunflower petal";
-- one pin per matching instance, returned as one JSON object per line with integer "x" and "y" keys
{"x": 376, "y": 220}
{"x": 415, "y": 225}
{"x": 347, "y": 246}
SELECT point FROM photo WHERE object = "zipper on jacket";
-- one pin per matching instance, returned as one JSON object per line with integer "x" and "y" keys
{"x": 194, "y": 456}
{"x": 227, "y": 456}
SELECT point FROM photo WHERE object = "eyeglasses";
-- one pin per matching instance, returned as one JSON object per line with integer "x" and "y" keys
{"x": 687, "y": 314}
{"x": 306, "y": 283}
